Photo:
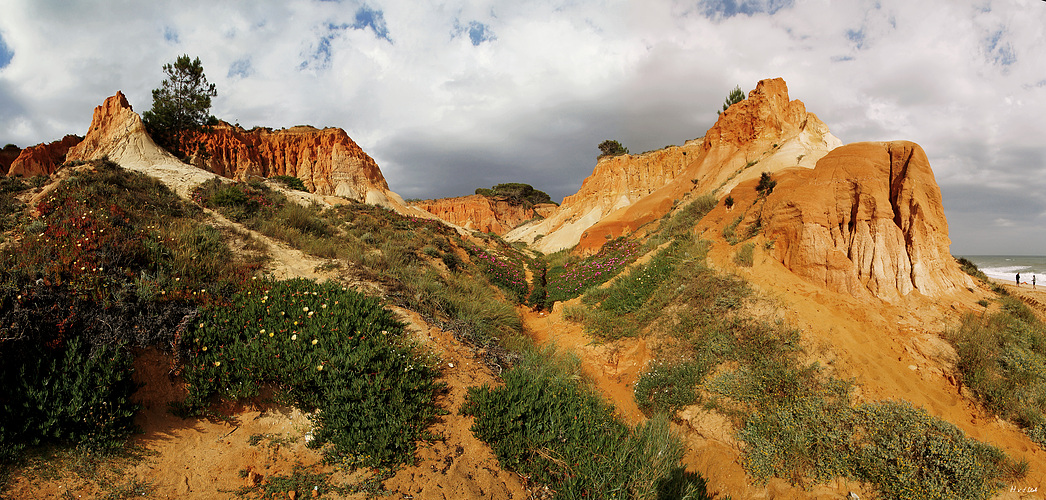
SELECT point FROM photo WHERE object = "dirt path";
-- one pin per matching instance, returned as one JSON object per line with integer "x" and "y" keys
{"x": 613, "y": 367}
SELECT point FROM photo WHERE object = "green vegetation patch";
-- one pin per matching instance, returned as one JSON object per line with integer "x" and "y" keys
{"x": 1002, "y": 359}
{"x": 115, "y": 260}
{"x": 571, "y": 278}
{"x": 504, "y": 270}
{"x": 326, "y": 348}
{"x": 543, "y": 423}
{"x": 516, "y": 193}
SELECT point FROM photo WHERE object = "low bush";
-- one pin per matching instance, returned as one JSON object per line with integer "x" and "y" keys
{"x": 970, "y": 268}
{"x": 1002, "y": 359}
{"x": 545, "y": 425}
{"x": 64, "y": 394}
{"x": 506, "y": 270}
{"x": 290, "y": 181}
{"x": 326, "y": 348}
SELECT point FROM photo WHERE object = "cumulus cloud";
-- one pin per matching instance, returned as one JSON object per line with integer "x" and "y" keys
{"x": 462, "y": 94}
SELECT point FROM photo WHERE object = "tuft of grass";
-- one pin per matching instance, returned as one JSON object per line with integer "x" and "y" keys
{"x": 744, "y": 256}
{"x": 730, "y": 230}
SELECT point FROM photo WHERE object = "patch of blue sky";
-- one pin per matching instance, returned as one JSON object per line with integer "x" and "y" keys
{"x": 722, "y": 9}
{"x": 241, "y": 68}
{"x": 374, "y": 19}
{"x": 5, "y": 53}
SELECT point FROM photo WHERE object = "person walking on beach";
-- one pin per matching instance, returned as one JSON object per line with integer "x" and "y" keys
{"x": 1018, "y": 279}
{"x": 1033, "y": 282}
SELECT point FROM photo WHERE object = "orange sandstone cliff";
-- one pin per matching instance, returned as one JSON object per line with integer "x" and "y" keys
{"x": 484, "y": 214}
{"x": 326, "y": 160}
{"x": 44, "y": 158}
{"x": 7, "y": 156}
{"x": 764, "y": 133}
{"x": 867, "y": 220}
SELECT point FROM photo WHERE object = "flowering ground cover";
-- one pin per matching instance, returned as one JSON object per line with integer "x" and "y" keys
{"x": 571, "y": 280}
{"x": 326, "y": 348}
{"x": 113, "y": 260}
{"x": 506, "y": 271}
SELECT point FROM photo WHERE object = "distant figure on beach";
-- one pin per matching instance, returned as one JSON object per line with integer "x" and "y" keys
{"x": 1018, "y": 279}
{"x": 1033, "y": 281}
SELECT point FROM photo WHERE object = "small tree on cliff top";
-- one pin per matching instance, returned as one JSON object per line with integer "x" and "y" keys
{"x": 182, "y": 103}
{"x": 612, "y": 148}
{"x": 735, "y": 96}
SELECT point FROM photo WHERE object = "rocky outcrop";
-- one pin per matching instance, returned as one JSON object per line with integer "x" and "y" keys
{"x": 118, "y": 133}
{"x": 42, "y": 159}
{"x": 7, "y": 156}
{"x": 484, "y": 214}
{"x": 326, "y": 160}
{"x": 868, "y": 219}
{"x": 766, "y": 132}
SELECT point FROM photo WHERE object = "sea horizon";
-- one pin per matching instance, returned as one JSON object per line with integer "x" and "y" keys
{"x": 1006, "y": 267}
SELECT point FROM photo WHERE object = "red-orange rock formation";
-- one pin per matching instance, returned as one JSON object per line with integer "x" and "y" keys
{"x": 867, "y": 219}
{"x": 7, "y": 156}
{"x": 327, "y": 161}
{"x": 480, "y": 213}
{"x": 765, "y": 132}
{"x": 43, "y": 159}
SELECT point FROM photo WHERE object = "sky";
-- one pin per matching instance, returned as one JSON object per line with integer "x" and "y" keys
{"x": 451, "y": 95}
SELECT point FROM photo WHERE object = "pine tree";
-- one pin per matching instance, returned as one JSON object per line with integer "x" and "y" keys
{"x": 182, "y": 104}
{"x": 737, "y": 95}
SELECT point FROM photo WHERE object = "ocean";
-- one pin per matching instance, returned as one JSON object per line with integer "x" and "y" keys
{"x": 1006, "y": 267}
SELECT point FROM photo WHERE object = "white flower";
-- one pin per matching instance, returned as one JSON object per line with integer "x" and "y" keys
{"x": 305, "y": 309}
{"x": 294, "y": 337}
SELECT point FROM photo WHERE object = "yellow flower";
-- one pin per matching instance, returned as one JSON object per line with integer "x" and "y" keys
{"x": 205, "y": 348}
{"x": 319, "y": 368}
{"x": 314, "y": 341}
{"x": 270, "y": 334}
{"x": 217, "y": 364}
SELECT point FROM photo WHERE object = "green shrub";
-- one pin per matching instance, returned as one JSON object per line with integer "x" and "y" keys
{"x": 908, "y": 454}
{"x": 64, "y": 394}
{"x": 542, "y": 423}
{"x": 290, "y": 181}
{"x": 970, "y": 268}
{"x": 1002, "y": 359}
{"x": 327, "y": 348}
{"x": 667, "y": 388}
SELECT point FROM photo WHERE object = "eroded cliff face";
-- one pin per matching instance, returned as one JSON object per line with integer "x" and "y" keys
{"x": 766, "y": 132}
{"x": 481, "y": 213}
{"x": 42, "y": 159}
{"x": 326, "y": 160}
{"x": 867, "y": 220}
